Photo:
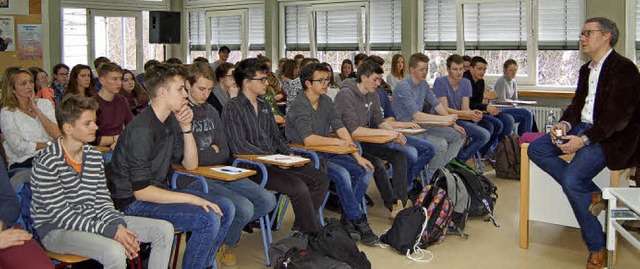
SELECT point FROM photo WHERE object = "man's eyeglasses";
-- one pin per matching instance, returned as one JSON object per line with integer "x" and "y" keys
{"x": 263, "y": 79}
{"x": 587, "y": 33}
{"x": 323, "y": 81}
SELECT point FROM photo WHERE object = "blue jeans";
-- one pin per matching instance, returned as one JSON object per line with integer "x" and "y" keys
{"x": 208, "y": 230}
{"x": 523, "y": 117}
{"x": 479, "y": 137}
{"x": 447, "y": 142}
{"x": 575, "y": 178}
{"x": 419, "y": 152}
{"x": 499, "y": 126}
{"x": 250, "y": 200}
{"x": 351, "y": 182}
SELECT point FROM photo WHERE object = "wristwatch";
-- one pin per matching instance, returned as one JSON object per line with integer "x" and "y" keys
{"x": 585, "y": 140}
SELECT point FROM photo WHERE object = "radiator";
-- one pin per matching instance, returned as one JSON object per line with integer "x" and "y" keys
{"x": 540, "y": 114}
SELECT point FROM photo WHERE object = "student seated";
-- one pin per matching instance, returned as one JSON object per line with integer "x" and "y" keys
{"x": 28, "y": 124}
{"x": 42, "y": 84}
{"x": 250, "y": 200}
{"x": 251, "y": 129}
{"x": 135, "y": 94}
{"x": 453, "y": 92}
{"x": 295, "y": 87}
{"x": 18, "y": 249}
{"x": 71, "y": 207}
{"x": 419, "y": 151}
{"x": 97, "y": 64}
{"x": 114, "y": 112}
{"x": 310, "y": 120}
{"x": 60, "y": 80}
{"x": 358, "y": 105}
{"x": 225, "y": 87}
{"x": 507, "y": 88}
{"x": 409, "y": 97}
{"x": 81, "y": 81}
{"x": 141, "y": 163}
{"x": 498, "y": 124}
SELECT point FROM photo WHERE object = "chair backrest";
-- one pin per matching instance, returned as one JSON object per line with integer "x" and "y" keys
{"x": 24, "y": 197}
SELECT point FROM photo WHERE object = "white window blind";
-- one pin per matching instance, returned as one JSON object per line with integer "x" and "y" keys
{"x": 226, "y": 31}
{"x": 337, "y": 30}
{"x": 256, "y": 28}
{"x": 638, "y": 25}
{"x": 386, "y": 26}
{"x": 296, "y": 28}
{"x": 74, "y": 36}
{"x": 495, "y": 26}
{"x": 197, "y": 39}
{"x": 559, "y": 23}
{"x": 439, "y": 25}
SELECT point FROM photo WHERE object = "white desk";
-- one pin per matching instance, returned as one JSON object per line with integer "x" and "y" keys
{"x": 631, "y": 198}
{"x": 542, "y": 198}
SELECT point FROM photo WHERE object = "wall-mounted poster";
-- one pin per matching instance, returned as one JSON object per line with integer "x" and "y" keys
{"x": 14, "y": 7}
{"x": 7, "y": 34}
{"x": 29, "y": 41}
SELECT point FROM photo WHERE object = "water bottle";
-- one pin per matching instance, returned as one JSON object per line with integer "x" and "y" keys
{"x": 551, "y": 120}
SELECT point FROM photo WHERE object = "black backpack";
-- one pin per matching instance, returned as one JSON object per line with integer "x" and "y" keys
{"x": 297, "y": 258}
{"x": 482, "y": 191}
{"x": 457, "y": 192}
{"x": 507, "y": 158}
{"x": 406, "y": 229}
{"x": 334, "y": 241}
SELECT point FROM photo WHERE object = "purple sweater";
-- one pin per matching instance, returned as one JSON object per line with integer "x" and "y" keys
{"x": 112, "y": 116}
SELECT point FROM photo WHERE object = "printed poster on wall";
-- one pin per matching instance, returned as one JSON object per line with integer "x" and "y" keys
{"x": 29, "y": 41}
{"x": 7, "y": 34}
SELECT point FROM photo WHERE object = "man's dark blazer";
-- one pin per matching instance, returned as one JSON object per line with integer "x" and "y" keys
{"x": 616, "y": 113}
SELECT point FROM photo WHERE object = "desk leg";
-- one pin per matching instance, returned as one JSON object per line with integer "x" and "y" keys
{"x": 524, "y": 198}
{"x": 611, "y": 233}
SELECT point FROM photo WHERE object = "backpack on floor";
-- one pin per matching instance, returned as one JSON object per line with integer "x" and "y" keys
{"x": 279, "y": 249}
{"x": 406, "y": 232}
{"x": 507, "y": 158}
{"x": 297, "y": 258}
{"x": 334, "y": 241}
{"x": 482, "y": 192}
{"x": 439, "y": 209}
{"x": 457, "y": 192}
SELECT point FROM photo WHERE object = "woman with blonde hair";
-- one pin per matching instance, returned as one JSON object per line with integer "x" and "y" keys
{"x": 134, "y": 93}
{"x": 28, "y": 123}
{"x": 397, "y": 71}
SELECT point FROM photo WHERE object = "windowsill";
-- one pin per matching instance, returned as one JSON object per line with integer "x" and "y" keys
{"x": 546, "y": 91}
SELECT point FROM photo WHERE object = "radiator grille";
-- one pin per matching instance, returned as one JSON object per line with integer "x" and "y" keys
{"x": 541, "y": 112}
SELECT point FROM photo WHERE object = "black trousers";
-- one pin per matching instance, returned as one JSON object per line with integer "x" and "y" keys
{"x": 305, "y": 186}
{"x": 392, "y": 189}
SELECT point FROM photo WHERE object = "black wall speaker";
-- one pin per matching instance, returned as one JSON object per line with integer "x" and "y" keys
{"x": 164, "y": 27}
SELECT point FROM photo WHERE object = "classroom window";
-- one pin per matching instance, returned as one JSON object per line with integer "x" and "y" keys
{"x": 74, "y": 36}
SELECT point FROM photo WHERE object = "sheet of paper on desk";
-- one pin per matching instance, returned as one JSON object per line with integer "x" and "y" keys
{"x": 432, "y": 122}
{"x": 229, "y": 170}
{"x": 282, "y": 158}
{"x": 523, "y": 102}
{"x": 409, "y": 131}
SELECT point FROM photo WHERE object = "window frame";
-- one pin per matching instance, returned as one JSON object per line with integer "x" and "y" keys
{"x": 363, "y": 37}
{"x": 244, "y": 25}
{"x": 91, "y": 14}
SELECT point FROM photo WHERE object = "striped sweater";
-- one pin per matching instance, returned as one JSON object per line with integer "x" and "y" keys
{"x": 65, "y": 199}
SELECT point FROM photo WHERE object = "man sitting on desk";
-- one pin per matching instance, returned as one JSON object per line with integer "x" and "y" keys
{"x": 310, "y": 120}
{"x": 251, "y": 129}
{"x": 600, "y": 126}
{"x": 250, "y": 200}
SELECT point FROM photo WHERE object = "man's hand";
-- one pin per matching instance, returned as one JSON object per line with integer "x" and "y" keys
{"x": 366, "y": 164}
{"x": 476, "y": 116}
{"x": 13, "y": 237}
{"x": 493, "y": 110}
{"x": 115, "y": 140}
{"x": 206, "y": 205}
{"x": 184, "y": 116}
{"x": 451, "y": 118}
{"x": 344, "y": 143}
{"x": 460, "y": 130}
{"x": 401, "y": 139}
{"x": 574, "y": 144}
{"x": 127, "y": 239}
{"x": 558, "y": 126}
